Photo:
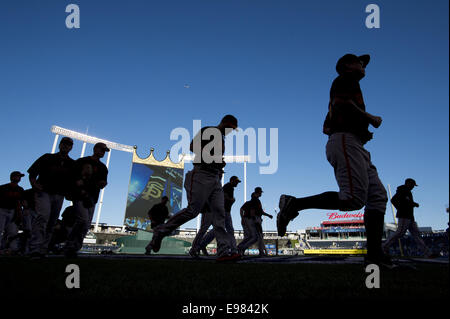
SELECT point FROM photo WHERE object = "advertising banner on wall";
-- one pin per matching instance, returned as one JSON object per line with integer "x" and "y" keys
{"x": 150, "y": 180}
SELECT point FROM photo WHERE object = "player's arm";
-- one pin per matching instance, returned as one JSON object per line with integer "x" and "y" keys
{"x": 268, "y": 215}
{"x": 103, "y": 178}
{"x": 339, "y": 101}
{"x": 33, "y": 172}
{"x": 326, "y": 129}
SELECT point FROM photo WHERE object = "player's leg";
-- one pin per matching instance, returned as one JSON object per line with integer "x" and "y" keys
{"x": 216, "y": 201}
{"x": 247, "y": 235}
{"x": 75, "y": 238}
{"x": 198, "y": 240}
{"x": 12, "y": 232}
{"x": 207, "y": 239}
{"x": 402, "y": 227}
{"x": 56, "y": 203}
{"x": 414, "y": 230}
{"x": 347, "y": 156}
{"x": 39, "y": 225}
{"x": 230, "y": 230}
{"x": 260, "y": 237}
{"x": 374, "y": 215}
{"x": 252, "y": 236}
{"x": 198, "y": 187}
{"x": 6, "y": 216}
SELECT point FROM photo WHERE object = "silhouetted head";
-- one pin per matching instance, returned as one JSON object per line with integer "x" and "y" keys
{"x": 65, "y": 146}
{"x": 234, "y": 181}
{"x": 258, "y": 191}
{"x": 100, "y": 149}
{"x": 228, "y": 122}
{"x": 15, "y": 177}
{"x": 410, "y": 183}
{"x": 352, "y": 64}
{"x": 164, "y": 199}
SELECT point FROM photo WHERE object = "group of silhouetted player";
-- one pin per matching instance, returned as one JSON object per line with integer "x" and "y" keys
{"x": 56, "y": 176}
{"x": 53, "y": 178}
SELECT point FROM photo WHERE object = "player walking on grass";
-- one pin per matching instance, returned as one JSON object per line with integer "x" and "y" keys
{"x": 404, "y": 202}
{"x": 201, "y": 240}
{"x": 347, "y": 124}
{"x": 11, "y": 195}
{"x": 203, "y": 185}
{"x": 49, "y": 177}
{"x": 251, "y": 214}
{"x": 89, "y": 176}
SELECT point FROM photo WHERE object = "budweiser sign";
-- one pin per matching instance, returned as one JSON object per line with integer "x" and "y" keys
{"x": 332, "y": 216}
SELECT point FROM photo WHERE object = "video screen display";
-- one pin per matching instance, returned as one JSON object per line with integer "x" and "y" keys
{"x": 148, "y": 183}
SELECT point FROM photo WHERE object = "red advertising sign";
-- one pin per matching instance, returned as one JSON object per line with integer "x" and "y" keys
{"x": 333, "y": 216}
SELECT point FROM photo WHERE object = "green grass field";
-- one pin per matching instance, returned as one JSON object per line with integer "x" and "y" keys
{"x": 161, "y": 279}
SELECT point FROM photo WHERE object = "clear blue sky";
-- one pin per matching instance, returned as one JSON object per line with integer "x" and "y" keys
{"x": 121, "y": 76}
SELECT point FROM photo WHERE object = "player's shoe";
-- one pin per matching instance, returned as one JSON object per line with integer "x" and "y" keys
{"x": 194, "y": 253}
{"x": 155, "y": 243}
{"x": 229, "y": 258}
{"x": 286, "y": 213}
{"x": 384, "y": 263}
{"x": 433, "y": 256}
{"x": 204, "y": 252}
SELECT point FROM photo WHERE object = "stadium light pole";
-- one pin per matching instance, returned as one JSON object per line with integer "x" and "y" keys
{"x": 83, "y": 149}
{"x": 55, "y": 142}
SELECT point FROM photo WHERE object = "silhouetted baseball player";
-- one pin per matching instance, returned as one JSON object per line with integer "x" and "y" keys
{"x": 347, "y": 124}
{"x": 203, "y": 185}
{"x": 90, "y": 175}
{"x": 201, "y": 240}
{"x": 50, "y": 179}
{"x": 404, "y": 202}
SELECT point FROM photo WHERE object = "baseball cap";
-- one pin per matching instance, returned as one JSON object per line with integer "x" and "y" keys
{"x": 410, "y": 180}
{"x": 258, "y": 190}
{"x": 235, "y": 178}
{"x": 16, "y": 173}
{"x": 102, "y": 145}
{"x": 230, "y": 119}
{"x": 350, "y": 58}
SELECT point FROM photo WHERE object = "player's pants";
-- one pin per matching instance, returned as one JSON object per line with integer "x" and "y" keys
{"x": 357, "y": 177}
{"x": 207, "y": 219}
{"x": 206, "y": 239}
{"x": 245, "y": 226}
{"x": 260, "y": 235}
{"x": 252, "y": 234}
{"x": 359, "y": 186}
{"x": 48, "y": 206}
{"x": 83, "y": 220}
{"x": 201, "y": 187}
{"x": 11, "y": 232}
{"x": 405, "y": 224}
{"x": 6, "y": 216}
{"x": 27, "y": 219}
